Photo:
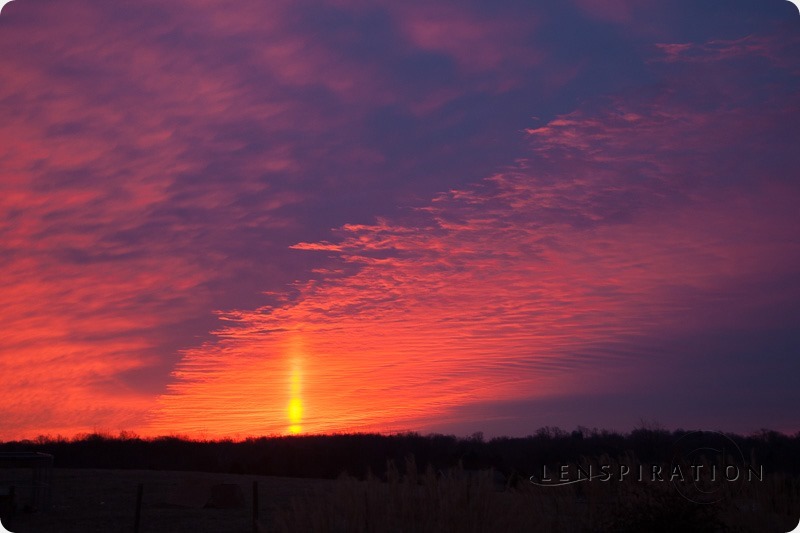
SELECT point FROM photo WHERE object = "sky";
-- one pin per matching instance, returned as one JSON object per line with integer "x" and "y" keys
{"x": 232, "y": 219}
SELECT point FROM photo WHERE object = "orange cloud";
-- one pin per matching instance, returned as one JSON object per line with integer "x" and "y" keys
{"x": 159, "y": 160}
{"x": 627, "y": 225}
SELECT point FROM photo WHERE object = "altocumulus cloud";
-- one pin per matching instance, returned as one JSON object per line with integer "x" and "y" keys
{"x": 631, "y": 224}
{"x": 160, "y": 160}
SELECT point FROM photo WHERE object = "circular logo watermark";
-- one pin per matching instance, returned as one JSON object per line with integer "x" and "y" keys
{"x": 708, "y": 467}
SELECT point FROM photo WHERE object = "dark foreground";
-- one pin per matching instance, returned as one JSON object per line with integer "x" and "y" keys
{"x": 412, "y": 483}
{"x": 91, "y": 500}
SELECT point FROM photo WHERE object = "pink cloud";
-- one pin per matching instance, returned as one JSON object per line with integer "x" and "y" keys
{"x": 157, "y": 158}
{"x": 96, "y": 262}
{"x": 625, "y": 226}
{"x": 477, "y": 43}
{"x": 617, "y": 11}
{"x": 479, "y": 306}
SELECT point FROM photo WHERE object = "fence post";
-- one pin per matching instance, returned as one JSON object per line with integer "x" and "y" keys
{"x": 137, "y": 520}
{"x": 255, "y": 506}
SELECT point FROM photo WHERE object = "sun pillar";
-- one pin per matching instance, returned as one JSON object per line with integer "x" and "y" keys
{"x": 295, "y": 408}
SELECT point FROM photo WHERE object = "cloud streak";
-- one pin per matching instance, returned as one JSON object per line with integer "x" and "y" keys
{"x": 630, "y": 224}
{"x": 159, "y": 162}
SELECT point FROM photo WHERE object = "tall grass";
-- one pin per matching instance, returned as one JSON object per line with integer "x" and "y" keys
{"x": 464, "y": 501}
{"x": 425, "y": 501}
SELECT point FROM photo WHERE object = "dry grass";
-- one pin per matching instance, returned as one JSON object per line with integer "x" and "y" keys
{"x": 425, "y": 502}
{"x": 88, "y": 501}
{"x": 428, "y": 502}
{"x": 104, "y": 501}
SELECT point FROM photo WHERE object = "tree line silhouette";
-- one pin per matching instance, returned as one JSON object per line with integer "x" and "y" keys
{"x": 329, "y": 456}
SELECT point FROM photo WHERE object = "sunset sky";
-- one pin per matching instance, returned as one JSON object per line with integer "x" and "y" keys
{"x": 232, "y": 218}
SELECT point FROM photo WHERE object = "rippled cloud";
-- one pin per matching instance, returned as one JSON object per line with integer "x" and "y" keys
{"x": 631, "y": 225}
{"x": 527, "y": 198}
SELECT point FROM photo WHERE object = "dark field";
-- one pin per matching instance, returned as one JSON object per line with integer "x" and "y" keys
{"x": 411, "y": 483}
{"x": 90, "y": 500}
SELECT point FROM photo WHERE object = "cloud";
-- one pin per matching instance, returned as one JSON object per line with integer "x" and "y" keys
{"x": 163, "y": 160}
{"x": 629, "y": 224}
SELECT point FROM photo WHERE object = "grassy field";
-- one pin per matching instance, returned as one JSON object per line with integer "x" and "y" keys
{"x": 89, "y": 500}
{"x": 104, "y": 501}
